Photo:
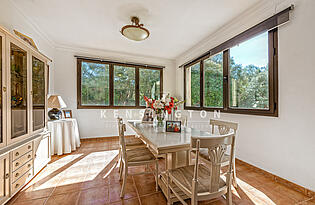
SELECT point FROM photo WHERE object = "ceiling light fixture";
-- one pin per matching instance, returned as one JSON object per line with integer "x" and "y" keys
{"x": 135, "y": 31}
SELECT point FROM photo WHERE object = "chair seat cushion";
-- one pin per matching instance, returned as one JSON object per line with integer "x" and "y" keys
{"x": 132, "y": 141}
{"x": 139, "y": 155}
{"x": 203, "y": 152}
{"x": 184, "y": 175}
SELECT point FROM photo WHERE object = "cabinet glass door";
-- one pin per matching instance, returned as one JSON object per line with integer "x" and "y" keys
{"x": 38, "y": 88}
{"x": 18, "y": 63}
{"x": 1, "y": 111}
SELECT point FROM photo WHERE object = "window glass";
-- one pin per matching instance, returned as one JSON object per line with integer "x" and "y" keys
{"x": 18, "y": 62}
{"x": 149, "y": 84}
{"x": 38, "y": 97}
{"x": 124, "y": 86}
{"x": 193, "y": 85}
{"x": 249, "y": 74}
{"x": 94, "y": 84}
{"x": 213, "y": 81}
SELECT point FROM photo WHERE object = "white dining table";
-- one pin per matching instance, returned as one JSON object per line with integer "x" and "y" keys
{"x": 175, "y": 146}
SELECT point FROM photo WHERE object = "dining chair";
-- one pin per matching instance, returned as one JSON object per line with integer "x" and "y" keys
{"x": 199, "y": 182}
{"x": 131, "y": 143}
{"x": 222, "y": 127}
{"x": 135, "y": 157}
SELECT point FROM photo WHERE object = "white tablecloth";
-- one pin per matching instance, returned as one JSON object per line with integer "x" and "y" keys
{"x": 64, "y": 136}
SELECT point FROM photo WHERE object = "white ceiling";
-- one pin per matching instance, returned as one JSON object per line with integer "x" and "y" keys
{"x": 175, "y": 25}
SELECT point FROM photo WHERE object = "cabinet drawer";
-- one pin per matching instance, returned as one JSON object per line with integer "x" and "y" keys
{"x": 22, "y": 160}
{"x": 15, "y": 186}
{"x": 17, "y": 153}
{"x": 21, "y": 171}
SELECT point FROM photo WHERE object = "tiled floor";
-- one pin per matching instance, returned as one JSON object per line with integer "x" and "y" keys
{"x": 89, "y": 176}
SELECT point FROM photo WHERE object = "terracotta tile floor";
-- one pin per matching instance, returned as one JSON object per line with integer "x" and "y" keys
{"x": 89, "y": 176}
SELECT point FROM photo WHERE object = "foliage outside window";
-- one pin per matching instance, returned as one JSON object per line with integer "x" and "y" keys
{"x": 94, "y": 84}
{"x": 124, "y": 86}
{"x": 241, "y": 79}
{"x": 149, "y": 82}
{"x": 116, "y": 85}
{"x": 213, "y": 78}
{"x": 193, "y": 85}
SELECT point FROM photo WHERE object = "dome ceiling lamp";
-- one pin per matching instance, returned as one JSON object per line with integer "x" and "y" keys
{"x": 135, "y": 31}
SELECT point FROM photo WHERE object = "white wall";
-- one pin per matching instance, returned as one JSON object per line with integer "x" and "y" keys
{"x": 12, "y": 18}
{"x": 91, "y": 122}
{"x": 284, "y": 146}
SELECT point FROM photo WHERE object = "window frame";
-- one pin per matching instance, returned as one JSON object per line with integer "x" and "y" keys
{"x": 272, "y": 77}
{"x": 111, "y": 84}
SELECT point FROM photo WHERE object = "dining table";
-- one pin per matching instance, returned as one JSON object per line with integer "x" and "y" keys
{"x": 174, "y": 146}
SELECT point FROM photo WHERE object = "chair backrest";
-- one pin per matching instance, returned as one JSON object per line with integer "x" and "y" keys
{"x": 121, "y": 132}
{"x": 224, "y": 127}
{"x": 217, "y": 147}
{"x": 119, "y": 121}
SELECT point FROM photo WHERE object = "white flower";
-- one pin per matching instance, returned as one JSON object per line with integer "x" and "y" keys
{"x": 158, "y": 104}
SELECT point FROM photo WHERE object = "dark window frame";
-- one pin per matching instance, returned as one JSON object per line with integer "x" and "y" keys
{"x": 111, "y": 84}
{"x": 272, "y": 74}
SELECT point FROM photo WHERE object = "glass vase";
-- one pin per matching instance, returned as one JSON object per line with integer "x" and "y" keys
{"x": 160, "y": 118}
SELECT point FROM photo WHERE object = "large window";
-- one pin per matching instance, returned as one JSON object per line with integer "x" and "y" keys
{"x": 116, "y": 85}
{"x": 239, "y": 79}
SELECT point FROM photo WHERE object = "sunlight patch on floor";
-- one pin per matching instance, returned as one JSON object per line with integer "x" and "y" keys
{"x": 255, "y": 195}
{"x": 88, "y": 168}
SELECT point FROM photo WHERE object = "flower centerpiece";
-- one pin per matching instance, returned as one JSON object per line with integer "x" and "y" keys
{"x": 162, "y": 106}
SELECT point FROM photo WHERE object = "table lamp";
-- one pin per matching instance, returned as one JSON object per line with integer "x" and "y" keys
{"x": 55, "y": 102}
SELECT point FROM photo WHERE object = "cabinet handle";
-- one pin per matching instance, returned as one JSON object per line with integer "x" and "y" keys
{"x": 29, "y": 146}
{"x": 29, "y": 165}
{"x": 17, "y": 164}
{"x": 17, "y": 185}
{"x": 7, "y": 176}
{"x": 17, "y": 174}
{"x": 4, "y": 89}
{"x": 17, "y": 154}
{"x": 29, "y": 156}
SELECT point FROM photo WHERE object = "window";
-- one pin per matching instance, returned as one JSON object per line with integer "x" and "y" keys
{"x": 116, "y": 85}
{"x": 94, "y": 84}
{"x": 193, "y": 85}
{"x": 124, "y": 86}
{"x": 248, "y": 71}
{"x": 213, "y": 81}
{"x": 150, "y": 84}
{"x": 240, "y": 79}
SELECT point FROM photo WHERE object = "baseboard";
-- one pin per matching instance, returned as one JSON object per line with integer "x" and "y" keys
{"x": 278, "y": 179}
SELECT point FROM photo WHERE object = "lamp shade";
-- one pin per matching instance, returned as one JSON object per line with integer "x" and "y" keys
{"x": 135, "y": 31}
{"x": 55, "y": 101}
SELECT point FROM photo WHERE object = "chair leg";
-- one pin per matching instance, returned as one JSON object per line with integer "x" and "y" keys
{"x": 229, "y": 196}
{"x": 120, "y": 161}
{"x": 168, "y": 189}
{"x": 194, "y": 200}
{"x": 122, "y": 193}
{"x": 121, "y": 168}
{"x": 234, "y": 175}
{"x": 156, "y": 175}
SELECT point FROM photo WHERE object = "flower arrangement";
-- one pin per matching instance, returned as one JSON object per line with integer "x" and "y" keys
{"x": 166, "y": 104}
